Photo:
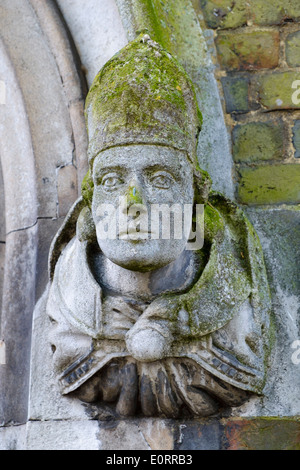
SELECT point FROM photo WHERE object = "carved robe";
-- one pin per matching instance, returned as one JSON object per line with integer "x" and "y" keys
{"x": 219, "y": 324}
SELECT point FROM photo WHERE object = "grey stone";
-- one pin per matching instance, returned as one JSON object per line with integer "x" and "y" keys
{"x": 2, "y": 207}
{"x": 97, "y": 31}
{"x": 47, "y": 228}
{"x": 187, "y": 43}
{"x": 199, "y": 436}
{"x": 122, "y": 435}
{"x": 62, "y": 435}
{"x": 2, "y": 264}
{"x": 66, "y": 188}
{"x": 45, "y": 103}
{"x": 13, "y": 438}
{"x": 194, "y": 343}
{"x": 16, "y": 321}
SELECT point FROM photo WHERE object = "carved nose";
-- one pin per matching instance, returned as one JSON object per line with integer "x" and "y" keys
{"x": 134, "y": 194}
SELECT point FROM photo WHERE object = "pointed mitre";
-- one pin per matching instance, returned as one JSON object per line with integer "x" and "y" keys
{"x": 142, "y": 96}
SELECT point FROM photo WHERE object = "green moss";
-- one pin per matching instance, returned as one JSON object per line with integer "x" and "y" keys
{"x": 293, "y": 49}
{"x": 243, "y": 50}
{"x": 268, "y": 12}
{"x": 87, "y": 189}
{"x": 213, "y": 222}
{"x": 257, "y": 141}
{"x": 268, "y": 184}
{"x": 275, "y": 90}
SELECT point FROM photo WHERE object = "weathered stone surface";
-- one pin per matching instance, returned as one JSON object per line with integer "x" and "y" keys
{"x": 2, "y": 207}
{"x": 47, "y": 228}
{"x": 62, "y": 435}
{"x": 159, "y": 434}
{"x": 244, "y": 50}
{"x": 236, "y": 94}
{"x": 2, "y": 264}
{"x": 258, "y": 141}
{"x": 97, "y": 31}
{"x": 180, "y": 33}
{"x": 18, "y": 304}
{"x": 275, "y": 90}
{"x": 46, "y": 402}
{"x": 122, "y": 435}
{"x": 296, "y": 138}
{"x": 200, "y": 436}
{"x": 224, "y": 13}
{"x": 263, "y": 434}
{"x": 269, "y": 184}
{"x": 67, "y": 188}
{"x": 13, "y": 438}
{"x": 279, "y": 232}
{"x": 45, "y": 101}
{"x": 293, "y": 49}
{"x": 268, "y": 12}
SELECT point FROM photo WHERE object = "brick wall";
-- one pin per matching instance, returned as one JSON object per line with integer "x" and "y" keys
{"x": 258, "y": 56}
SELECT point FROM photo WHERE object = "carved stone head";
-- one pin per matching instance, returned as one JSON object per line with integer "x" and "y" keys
{"x": 138, "y": 322}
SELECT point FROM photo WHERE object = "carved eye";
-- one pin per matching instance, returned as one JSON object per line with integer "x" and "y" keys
{"x": 162, "y": 180}
{"x": 111, "y": 181}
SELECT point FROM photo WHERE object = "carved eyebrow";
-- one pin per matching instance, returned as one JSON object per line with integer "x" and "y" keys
{"x": 107, "y": 169}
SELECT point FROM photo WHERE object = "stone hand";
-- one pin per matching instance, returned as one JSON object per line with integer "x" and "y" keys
{"x": 150, "y": 338}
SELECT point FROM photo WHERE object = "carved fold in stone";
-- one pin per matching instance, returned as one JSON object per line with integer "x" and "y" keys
{"x": 147, "y": 326}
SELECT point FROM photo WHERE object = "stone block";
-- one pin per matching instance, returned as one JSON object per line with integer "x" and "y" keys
{"x": 2, "y": 264}
{"x": 122, "y": 435}
{"x": 293, "y": 49}
{"x": 263, "y": 434}
{"x": 268, "y": 184}
{"x": 2, "y": 208}
{"x": 62, "y": 435}
{"x": 224, "y": 13}
{"x": 276, "y": 91}
{"x": 200, "y": 436}
{"x": 159, "y": 434}
{"x": 258, "y": 141}
{"x": 268, "y": 12}
{"x": 296, "y": 138}
{"x": 248, "y": 50}
{"x": 236, "y": 94}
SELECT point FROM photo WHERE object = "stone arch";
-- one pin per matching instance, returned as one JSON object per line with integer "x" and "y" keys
{"x": 42, "y": 150}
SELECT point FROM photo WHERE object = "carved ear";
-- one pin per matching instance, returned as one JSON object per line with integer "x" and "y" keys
{"x": 202, "y": 185}
{"x": 85, "y": 227}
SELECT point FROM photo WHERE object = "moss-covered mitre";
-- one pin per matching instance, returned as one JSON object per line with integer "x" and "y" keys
{"x": 142, "y": 95}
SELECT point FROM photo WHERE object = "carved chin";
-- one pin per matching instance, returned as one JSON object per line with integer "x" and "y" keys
{"x": 142, "y": 255}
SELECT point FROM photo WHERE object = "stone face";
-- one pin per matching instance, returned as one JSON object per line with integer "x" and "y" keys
{"x": 224, "y": 14}
{"x": 258, "y": 141}
{"x": 293, "y": 49}
{"x": 263, "y": 434}
{"x": 296, "y": 138}
{"x": 276, "y": 90}
{"x": 268, "y": 184}
{"x": 248, "y": 50}
{"x": 236, "y": 94}
{"x": 268, "y": 12}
